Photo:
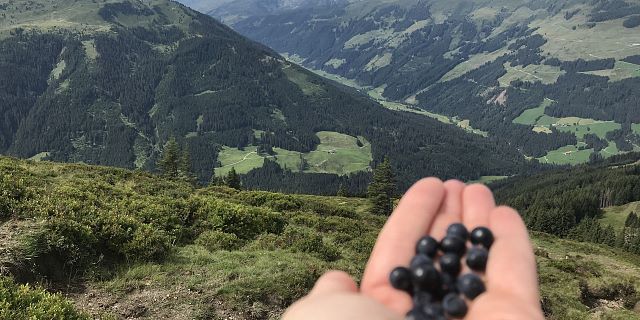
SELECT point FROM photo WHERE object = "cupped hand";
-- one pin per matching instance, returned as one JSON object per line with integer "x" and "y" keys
{"x": 429, "y": 207}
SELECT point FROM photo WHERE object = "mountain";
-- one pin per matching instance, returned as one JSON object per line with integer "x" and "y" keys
{"x": 121, "y": 244}
{"x": 560, "y": 80}
{"x": 110, "y": 82}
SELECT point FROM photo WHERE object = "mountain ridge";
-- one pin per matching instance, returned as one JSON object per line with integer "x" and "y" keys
{"x": 115, "y": 80}
{"x": 474, "y": 59}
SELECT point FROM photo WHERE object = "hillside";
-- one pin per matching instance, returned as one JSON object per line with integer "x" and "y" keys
{"x": 558, "y": 79}
{"x": 129, "y": 245}
{"x": 109, "y": 82}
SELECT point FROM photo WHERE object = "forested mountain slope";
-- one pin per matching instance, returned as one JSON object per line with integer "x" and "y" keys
{"x": 125, "y": 244}
{"x": 558, "y": 79}
{"x": 109, "y": 82}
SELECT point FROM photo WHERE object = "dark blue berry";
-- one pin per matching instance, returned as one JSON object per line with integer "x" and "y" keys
{"x": 482, "y": 236}
{"x": 426, "y": 277}
{"x": 458, "y": 230}
{"x": 434, "y": 311}
{"x": 421, "y": 298}
{"x": 450, "y": 263}
{"x": 477, "y": 258}
{"x": 428, "y": 246}
{"x": 470, "y": 285}
{"x": 400, "y": 279}
{"x": 454, "y": 306}
{"x": 420, "y": 259}
{"x": 416, "y": 314}
{"x": 453, "y": 244}
{"x": 448, "y": 284}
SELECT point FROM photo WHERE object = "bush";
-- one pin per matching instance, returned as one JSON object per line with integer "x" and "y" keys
{"x": 13, "y": 190}
{"x": 302, "y": 239}
{"x": 217, "y": 240}
{"x": 632, "y": 22}
{"x": 147, "y": 244}
{"x": 63, "y": 247}
{"x": 243, "y": 221}
{"x": 275, "y": 201}
{"x": 18, "y": 302}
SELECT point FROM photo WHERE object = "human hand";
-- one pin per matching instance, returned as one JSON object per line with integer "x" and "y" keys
{"x": 429, "y": 207}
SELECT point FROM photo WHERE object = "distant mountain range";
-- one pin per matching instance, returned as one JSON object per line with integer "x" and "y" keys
{"x": 110, "y": 82}
{"x": 560, "y": 80}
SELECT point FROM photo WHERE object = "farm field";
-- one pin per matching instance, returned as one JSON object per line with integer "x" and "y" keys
{"x": 337, "y": 153}
{"x": 616, "y": 216}
{"x": 567, "y": 155}
{"x": 531, "y": 73}
{"x": 622, "y": 70}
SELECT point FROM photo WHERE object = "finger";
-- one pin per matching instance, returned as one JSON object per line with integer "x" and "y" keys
{"x": 396, "y": 243}
{"x": 477, "y": 203}
{"x": 511, "y": 268}
{"x": 451, "y": 210}
{"x": 334, "y": 282}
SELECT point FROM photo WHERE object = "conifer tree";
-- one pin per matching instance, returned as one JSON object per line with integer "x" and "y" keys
{"x": 169, "y": 161}
{"x": 184, "y": 167}
{"x": 342, "y": 191}
{"x": 215, "y": 180}
{"x": 382, "y": 189}
{"x": 233, "y": 179}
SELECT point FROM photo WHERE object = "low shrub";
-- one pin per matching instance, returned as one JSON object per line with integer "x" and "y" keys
{"x": 217, "y": 240}
{"x": 303, "y": 239}
{"x": 244, "y": 221}
{"x": 22, "y": 302}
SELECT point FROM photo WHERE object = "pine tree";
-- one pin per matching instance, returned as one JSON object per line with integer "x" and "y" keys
{"x": 233, "y": 179}
{"x": 382, "y": 189}
{"x": 215, "y": 180}
{"x": 169, "y": 161}
{"x": 303, "y": 165}
{"x": 184, "y": 167}
{"x": 342, "y": 191}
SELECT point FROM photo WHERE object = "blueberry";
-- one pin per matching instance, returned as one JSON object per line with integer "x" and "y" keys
{"x": 470, "y": 285}
{"x": 428, "y": 246}
{"x": 426, "y": 277}
{"x": 434, "y": 311}
{"x": 482, "y": 236}
{"x": 400, "y": 279}
{"x": 458, "y": 230}
{"x": 477, "y": 258}
{"x": 450, "y": 263}
{"x": 454, "y": 306}
{"x": 420, "y": 259}
{"x": 421, "y": 298}
{"x": 416, "y": 314}
{"x": 453, "y": 244}
{"x": 448, "y": 284}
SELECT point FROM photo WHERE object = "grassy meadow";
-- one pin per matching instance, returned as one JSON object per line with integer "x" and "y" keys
{"x": 120, "y": 244}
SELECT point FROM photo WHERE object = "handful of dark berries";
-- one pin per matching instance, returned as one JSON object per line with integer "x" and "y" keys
{"x": 433, "y": 277}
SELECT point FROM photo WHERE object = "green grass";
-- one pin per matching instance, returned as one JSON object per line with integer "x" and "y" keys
{"x": 580, "y": 130}
{"x": 622, "y": 70}
{"x": 610, "y": 150}
{"x": 302, "y": 80}
{"x": 616, "y": 216}
{"x": 531, "y": 73}
{"x": 337, "y": 153}
{"x": 567, "y": 155}
{"x": 488, "y": 179}
{"x": 531, "y": 116}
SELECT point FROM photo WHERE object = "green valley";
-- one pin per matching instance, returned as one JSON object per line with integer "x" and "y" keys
{"x": 489, "y": 65}
{"x": 111, "y": 82}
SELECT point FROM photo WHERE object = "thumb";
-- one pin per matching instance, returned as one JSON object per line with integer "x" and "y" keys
{"x": 334, "y": 282}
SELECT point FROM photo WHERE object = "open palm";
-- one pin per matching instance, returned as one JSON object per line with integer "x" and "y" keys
{"x": 429, "y": 207}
